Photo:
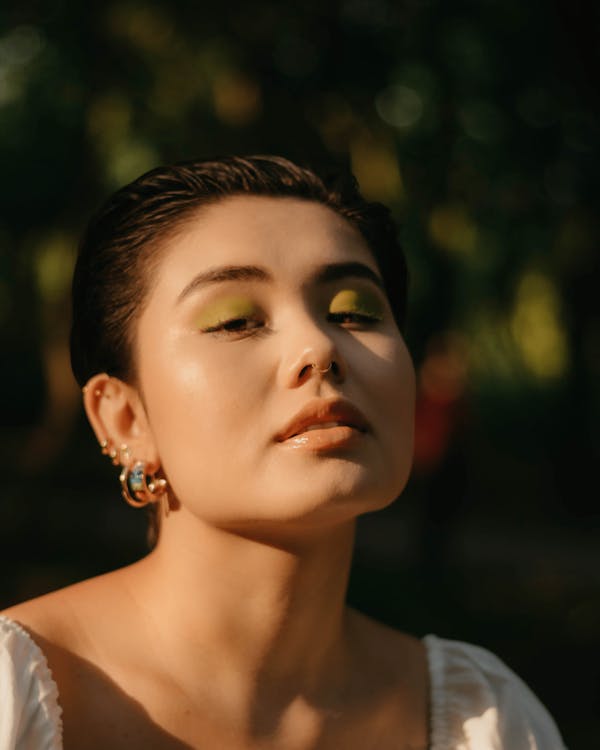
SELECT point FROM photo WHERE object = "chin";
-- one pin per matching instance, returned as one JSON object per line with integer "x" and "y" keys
{"x": 292, "y": 500}
{"x": 373, "y": 474}
{"x": 339, "y": 501}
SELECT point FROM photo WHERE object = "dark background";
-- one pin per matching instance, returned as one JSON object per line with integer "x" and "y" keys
{"x": 478, "y": 123}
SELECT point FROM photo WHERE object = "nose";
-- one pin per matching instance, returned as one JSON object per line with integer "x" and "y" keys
{"x": 312, "y": 353}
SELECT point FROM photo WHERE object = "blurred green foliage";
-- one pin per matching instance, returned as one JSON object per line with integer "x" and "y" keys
{"x": 477, "y": 122}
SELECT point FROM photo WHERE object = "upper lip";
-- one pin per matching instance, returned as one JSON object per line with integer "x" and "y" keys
{"x": 320, "y": 411}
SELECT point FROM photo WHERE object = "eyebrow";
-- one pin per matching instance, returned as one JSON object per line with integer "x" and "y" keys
{"x": 224, "y": 273}
{"x": 337, "y": 271}
{"x": 328, "y": 273}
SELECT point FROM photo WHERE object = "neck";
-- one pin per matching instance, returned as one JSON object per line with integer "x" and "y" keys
{"x": 260, "y": 616}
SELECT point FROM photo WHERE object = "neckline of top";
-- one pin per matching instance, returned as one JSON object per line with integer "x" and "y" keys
{"x": 433, "y": 652}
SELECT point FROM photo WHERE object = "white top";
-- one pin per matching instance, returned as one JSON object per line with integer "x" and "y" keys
{"x": 477, "y": 703}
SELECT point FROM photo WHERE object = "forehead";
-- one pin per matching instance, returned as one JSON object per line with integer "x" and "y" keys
{"x": 287, "y": 236}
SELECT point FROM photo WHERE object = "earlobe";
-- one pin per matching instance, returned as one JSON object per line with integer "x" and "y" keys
{"x": 118, "y": 417}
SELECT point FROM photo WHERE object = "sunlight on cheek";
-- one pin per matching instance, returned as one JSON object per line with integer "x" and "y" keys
{"x": 391, "y": 351}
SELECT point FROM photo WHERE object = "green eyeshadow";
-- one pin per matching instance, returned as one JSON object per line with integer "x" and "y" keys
{"x": 226, "y": 309}
{"x": 359, "y": 301}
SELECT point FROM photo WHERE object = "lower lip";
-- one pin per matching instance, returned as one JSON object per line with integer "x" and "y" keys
{"x": 324, "y": 439}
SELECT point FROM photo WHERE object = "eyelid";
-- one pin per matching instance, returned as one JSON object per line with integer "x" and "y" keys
{"x": 221, "y": 329}
{"x": 225, "y": 309}
{"x": 360, "y": 304}
{"x": 358, "y": 301}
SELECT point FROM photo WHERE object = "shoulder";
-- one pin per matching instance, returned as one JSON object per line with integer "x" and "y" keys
{"x": 29, "y": 711}
{"x": 477, "y": 701}
{"x": 44, "y": 615}
{"x": 75, "y": 615}
{"x": 47, "y": 649}
{"x": 81, "y": 622}
{"x": 70, "y": 622}
{"x": 32, "y": 635}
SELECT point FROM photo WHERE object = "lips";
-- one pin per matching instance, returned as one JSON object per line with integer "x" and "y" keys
{"x": 323, "y": 414}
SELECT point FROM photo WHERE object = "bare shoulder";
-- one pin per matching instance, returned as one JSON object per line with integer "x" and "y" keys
{"x": 65, "y": 617}
{"x": 85, "y": 634}
{"x": 78, "y": 628}
{"x": 45, "y": 615}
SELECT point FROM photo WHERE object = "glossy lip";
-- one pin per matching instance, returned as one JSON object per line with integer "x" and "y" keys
{"x": 320, "y": 412}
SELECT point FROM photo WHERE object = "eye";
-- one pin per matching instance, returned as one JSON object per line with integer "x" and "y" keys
{"x": 354, "y": 307}
{"x": 350, "y": 317}
{"x": 234, "y": 325}
{"x": 231, "y": 317}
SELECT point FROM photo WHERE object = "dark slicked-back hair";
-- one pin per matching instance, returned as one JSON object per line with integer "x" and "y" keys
{"x": 121, "y": 246}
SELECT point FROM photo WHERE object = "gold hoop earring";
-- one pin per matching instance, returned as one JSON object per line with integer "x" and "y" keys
{"x": 140, "y": 488}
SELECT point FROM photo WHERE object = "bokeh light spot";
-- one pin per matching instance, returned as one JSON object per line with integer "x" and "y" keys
{"x": 452, "y": 229}
{"x": 109, "y": 116}
{"x": 537, "y": 328}
{"x": 400, "y": 106}
{"x": 375, "y": 165}
{"x": 237, "y": 99}
{"x": 54, "y": 265}
{"x": 20, "y": 45}
{"x": 146, "y": 27}
{"x": 129, "y": 159}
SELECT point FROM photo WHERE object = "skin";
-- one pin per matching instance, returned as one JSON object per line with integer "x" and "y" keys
{"x": 233, "y": 632}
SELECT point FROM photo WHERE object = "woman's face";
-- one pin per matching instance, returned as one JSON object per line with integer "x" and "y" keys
{"x": 246, "y": 298}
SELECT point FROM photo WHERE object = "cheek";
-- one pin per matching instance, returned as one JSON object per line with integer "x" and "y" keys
{"x": 398, "y": 417}
{"x": 207, "y": 415}
{"x": 396, "y": 385}
{"x": 199, "y": 402}
{"x": 192, "y": 415}
{"x": 393, "y": 372}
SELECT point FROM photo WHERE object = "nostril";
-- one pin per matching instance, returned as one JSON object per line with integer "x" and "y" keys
{"x": 333, "y": 369}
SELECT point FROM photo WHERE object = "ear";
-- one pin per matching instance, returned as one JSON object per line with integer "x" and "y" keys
{"x": 117, "y": 414}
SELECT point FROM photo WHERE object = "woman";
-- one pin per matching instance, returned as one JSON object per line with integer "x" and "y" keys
{"x": 237, "y": 336}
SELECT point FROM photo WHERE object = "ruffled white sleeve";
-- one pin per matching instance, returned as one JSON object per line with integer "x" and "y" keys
{"x": 478, "y": 703}
{"x": 30, "y": 717}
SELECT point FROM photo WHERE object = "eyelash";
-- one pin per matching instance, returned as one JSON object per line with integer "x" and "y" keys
{"x": 353, "y": 317}
{"x": 231, "y": 327}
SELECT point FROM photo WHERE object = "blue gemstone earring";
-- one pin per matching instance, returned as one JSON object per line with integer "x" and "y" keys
{"x": 140, "y": 488}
